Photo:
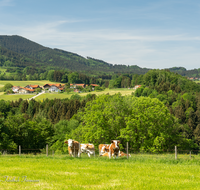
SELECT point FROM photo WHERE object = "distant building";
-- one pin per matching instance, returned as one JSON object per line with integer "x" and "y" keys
{"x": 32, "y": 86}
{"x": 15, "y": 89}
{"x": 137, "y": 86}
{"x": 25, "y": 90}
{"x": 53, "y": 87}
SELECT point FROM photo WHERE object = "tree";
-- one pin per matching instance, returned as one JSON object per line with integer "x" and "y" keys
{"x": 38, "y": 90}
{"x": 146, "y": 123}
{"x": 73, "y": 77}
{"x": 150, "y": 126}
{"x": 50, "y": 75}
{"x": 7, "y": 86}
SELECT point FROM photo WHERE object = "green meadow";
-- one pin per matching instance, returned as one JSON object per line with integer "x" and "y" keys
{"x": 68, "y": 95}
{"x": 24, "y": 83}
{"x": 62, "y": 172}
{"x": 123, "y": 91}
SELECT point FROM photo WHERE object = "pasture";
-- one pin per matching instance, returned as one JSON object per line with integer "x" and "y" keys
{"x": 62, "y": 172}
{"x": 123, "y": 91}
{"x": 68, "y": 95}
{"x": 24, "y": 83}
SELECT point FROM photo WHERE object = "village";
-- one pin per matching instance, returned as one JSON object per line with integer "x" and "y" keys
{"x": 49, "y": 88}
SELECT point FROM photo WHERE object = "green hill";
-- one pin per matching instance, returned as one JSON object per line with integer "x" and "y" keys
{"x": 59, "y": 59}
{"x": 17, "y": 51}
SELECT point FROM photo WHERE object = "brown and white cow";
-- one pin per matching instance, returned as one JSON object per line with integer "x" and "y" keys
{"x": 105, "y": 154}
{"x": 114, "y": 148}
{"x": 73, "y": 146}
{"x": 103, "y": 148}
{"x": 121, "y": 154}
{"x": 88, "y": 149}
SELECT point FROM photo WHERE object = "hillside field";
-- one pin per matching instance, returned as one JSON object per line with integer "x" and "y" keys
{"x": 24, "y": 83}
{"x": 123, "y": 91}
{"x": 63, "y": 172}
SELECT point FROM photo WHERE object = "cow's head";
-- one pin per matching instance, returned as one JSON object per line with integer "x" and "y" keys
{"x": 116, "y": 144}
{"x": 69, "y": 142}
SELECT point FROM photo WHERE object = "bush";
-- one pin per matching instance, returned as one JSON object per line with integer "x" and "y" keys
{"x": 7, "y": 86}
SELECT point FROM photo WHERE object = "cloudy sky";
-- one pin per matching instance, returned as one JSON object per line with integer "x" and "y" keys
{"x": 148, "y": 33}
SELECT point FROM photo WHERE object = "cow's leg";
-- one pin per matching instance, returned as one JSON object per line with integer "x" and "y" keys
{"x": 88, "y": 153}
{"x": 109, "y": 153}
{"x": 117, "y": 155}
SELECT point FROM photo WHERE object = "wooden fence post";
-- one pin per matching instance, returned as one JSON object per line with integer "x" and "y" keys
{"x": 47, "y": 151}
{"x": 127, "y": 149}
{"x": 19, "y": 150}
{"x": 175, "y": 152}
{"x": 79, "y": 150}
{"x": 74, "y": 152}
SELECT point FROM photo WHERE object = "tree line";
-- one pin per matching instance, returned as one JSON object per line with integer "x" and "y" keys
{"x": 164, "y": 112}
{"x": 31, "y": 124}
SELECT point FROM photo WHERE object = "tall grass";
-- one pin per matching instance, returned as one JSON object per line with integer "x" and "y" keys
{"x": 63, "y": 172}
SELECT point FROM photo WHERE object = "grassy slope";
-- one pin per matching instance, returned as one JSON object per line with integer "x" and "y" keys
{"x": 123, "y": 91}
{"x": 65, "y": 95}
{"x": 62, "y": 172}
{"x": 24, "y": 83}
{"x": 15, "y": 97}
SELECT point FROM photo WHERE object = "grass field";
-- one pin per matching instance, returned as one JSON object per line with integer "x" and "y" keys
{"x": 123, "y": 91}
{"x": 15, "y": 96}
{"x": 62, "y": 172}
{"x": 24, "y": 83}
{"x": 66, "y": 95}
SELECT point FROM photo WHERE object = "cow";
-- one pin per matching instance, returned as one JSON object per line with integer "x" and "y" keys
{"x": 88, "y": 149}
{"x": 105, "y": 154}
{"x": 114, "y": 148}
{"x": 73, "y": 146}
{"x": 121, "y": 154}
{"x": 103, "y": 148}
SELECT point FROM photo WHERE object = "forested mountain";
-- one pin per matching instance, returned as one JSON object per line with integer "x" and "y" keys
{"x": 59, "y": 59}
{"x": 16, "y": 51}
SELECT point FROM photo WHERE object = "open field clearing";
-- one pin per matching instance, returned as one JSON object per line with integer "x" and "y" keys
{"x": 68, "y": 95}
{"x": 64, "y": 95}
{"x": 63, "y": 172}
{"x": 15, "y": 96}
{"x": 24, "y": 83}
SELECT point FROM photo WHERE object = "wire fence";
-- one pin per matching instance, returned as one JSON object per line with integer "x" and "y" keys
{"x": 124, "y": 152}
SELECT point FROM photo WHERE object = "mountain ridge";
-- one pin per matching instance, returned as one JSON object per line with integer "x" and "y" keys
{"x": 48, "y": 58}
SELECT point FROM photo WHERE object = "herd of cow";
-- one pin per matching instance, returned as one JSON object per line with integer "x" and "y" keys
{"x": 110, "y": 150}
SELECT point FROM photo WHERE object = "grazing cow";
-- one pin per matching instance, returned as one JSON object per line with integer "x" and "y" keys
{"x": 103, "y": 148}
{"x": 73, "y": 146}
{"x": 121, "y": 154}
{"x": 105, "y": 154}
{"x": 88, "y": 149}
{"x": 114, "y": 148}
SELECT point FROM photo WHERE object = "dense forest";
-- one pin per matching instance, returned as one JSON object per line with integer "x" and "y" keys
{"x": 163, "y": 112}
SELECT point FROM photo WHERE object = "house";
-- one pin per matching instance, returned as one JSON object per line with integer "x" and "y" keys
{"x": 32, "y": 86}
{"x": 76, "y": 90}
{"x": 77, "y": 85}
{"x": 137, "y": 86}
{"x": 93, "y": 86}
{"x": 15, "y": 89}
{"x": 54, "y": 87}
{"x": 25, "y": 90}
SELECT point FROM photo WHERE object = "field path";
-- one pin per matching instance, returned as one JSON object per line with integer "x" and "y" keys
{"x": 37, "y": 95}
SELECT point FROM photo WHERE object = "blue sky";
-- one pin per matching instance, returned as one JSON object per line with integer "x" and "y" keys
{"x": 149, "y": 33}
